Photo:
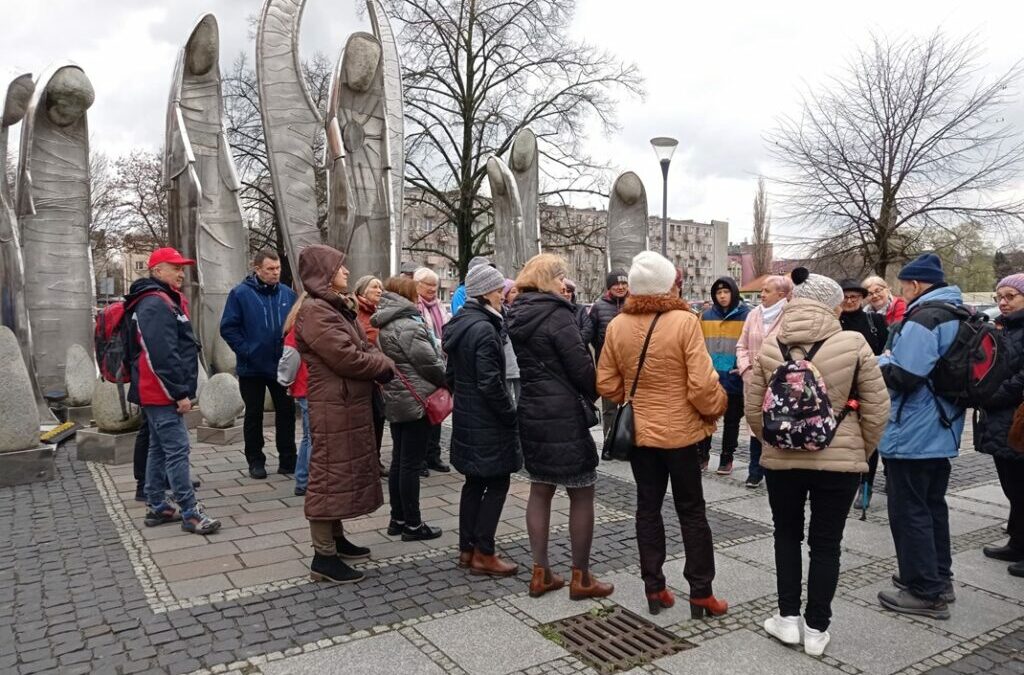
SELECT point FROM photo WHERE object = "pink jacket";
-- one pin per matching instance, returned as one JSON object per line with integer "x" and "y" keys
{"x": 751, "y": 338}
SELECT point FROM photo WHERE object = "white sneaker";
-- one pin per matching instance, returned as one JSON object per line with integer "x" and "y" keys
{"x": 815, "y": 641}
{"x": 784, "y": 628}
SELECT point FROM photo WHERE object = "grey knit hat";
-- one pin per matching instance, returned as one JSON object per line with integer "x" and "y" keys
{"x": 816, "y": 287}
{"x": 478, "y": 260}
{"x": 483, "y": 279}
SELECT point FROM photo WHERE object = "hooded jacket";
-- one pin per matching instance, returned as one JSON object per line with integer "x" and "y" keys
{"x": 405, "y": 338}
{"x": 553, "y": 432}
{"x": 594, "y": 324}
{"x": 678, "y": 397}
{"x": 252, "y": 325}
{"x": 485, "y": 441}
{"x": 163, "y": 350}
{"x": 992, "y": 423}
{"x": 805, "y": 322}
{"x": 916, "y": 429}
{"x": 722, "y": 328}
{"x": 344, "y": 477}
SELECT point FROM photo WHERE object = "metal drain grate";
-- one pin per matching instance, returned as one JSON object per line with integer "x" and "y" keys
{"x": 613, "y": 639}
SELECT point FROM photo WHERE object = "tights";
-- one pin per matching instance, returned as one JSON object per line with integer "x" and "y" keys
{"x": 581, "y": 523}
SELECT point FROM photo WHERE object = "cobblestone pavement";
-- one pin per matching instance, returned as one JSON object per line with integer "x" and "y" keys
{"x": 85, "y": 588}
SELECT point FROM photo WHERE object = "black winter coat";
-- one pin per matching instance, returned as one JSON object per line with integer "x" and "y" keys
{"x": 553, "y": 432}
{"x": 594, "y": 324}
{"x": 484, "y": 438}
{"x": 869, "y": 324}
{"x": 992, "y": 423}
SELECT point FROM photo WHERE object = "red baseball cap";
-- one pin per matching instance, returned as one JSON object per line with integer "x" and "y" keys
{"x": 167, "y": 255}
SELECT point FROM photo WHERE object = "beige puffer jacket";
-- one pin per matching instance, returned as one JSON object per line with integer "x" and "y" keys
{"x": 805, "y": 322}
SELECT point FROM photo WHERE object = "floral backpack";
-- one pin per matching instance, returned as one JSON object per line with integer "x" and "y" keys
{"x": 797, "y": 413}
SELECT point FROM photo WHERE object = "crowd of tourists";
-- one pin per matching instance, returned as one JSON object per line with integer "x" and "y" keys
{"x": 828, "y": 375}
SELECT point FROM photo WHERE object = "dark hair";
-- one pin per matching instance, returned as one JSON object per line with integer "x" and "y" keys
{"x": 403, "y": 286}
{"x": 264, "y": 254}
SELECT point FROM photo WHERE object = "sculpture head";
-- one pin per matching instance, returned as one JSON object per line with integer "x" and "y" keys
{"x": 19, "y": 91}
{"x": 629, "y": 188}
{"x": 496, "y": 177}
{"x": 524, "y": 151}
{"x": 361, "y": 61}
{"x": 202, "y": 51}
{"x": 69, "y": 94}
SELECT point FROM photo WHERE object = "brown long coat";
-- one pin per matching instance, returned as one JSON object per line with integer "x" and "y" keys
{"x": 344, "y": 477}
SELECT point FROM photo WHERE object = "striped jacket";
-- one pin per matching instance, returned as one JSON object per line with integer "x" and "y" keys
{"x": 722, "y": 328}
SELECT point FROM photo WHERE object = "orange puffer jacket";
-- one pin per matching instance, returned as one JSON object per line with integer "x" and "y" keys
{"x": 678, "y": 398}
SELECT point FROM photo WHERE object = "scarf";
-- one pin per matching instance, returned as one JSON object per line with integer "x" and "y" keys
{"x": 770, "y": 314}
{"x": 431, "y": 312}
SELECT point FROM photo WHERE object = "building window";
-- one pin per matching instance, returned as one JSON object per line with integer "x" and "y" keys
{"x": 140, "y": 266}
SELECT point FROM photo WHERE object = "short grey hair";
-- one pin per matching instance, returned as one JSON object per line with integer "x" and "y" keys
{"x": 426, "y": 274}
{"x": 874, "y": 281}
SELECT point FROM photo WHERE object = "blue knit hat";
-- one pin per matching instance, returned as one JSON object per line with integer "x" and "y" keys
{"x": 926, "y": 268}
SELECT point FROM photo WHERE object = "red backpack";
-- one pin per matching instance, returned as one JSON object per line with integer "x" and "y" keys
{"x": 111, "y": 338}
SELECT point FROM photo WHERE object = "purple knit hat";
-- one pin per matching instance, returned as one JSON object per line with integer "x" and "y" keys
{"x": 1014, "y": 281}
{"x": 506, "y": 288}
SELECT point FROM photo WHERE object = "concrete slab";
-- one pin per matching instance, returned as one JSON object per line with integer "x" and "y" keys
{"x": 755, "y": 508}
{"x": 743, "y": 652}
{"x": 973, "y": 568}
{"x": 763, "y": 551}
{"x": 34, "y": 465}
{"x": 869, "y": 538}
{"x": 717, "y": 490}
{"x": 735, "y": 580}
{"x": 620, "y": 470}
{"x": 462, "y": 636}
{"x": 554, "y": 606}
{"x": 972, "y": 614}
{"x": 992, "y": 493}
{"x": 962, "y": 523}
{"x": 215, "y": 436}
{"x": 378, "y": 655}
{"x": 878, "y": 642}
{"x": 93, "y": 445}
{"x": 984, "y": 508}
{"x": 80, "y": 415}
{"x": 629, "y": 594}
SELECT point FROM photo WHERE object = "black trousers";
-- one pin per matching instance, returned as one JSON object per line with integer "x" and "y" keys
{"x": 919, "y": 520}
{"x": 433, "y": 454}
{"x": 141, "y": 453}
{"x": 479, "y": 512}
{"x": 254, "y": 390}
{"x": 831, "y": 494}
{"x": 730, "y": 430}
{"x": 652, "y": 469}
{"x": 1011, "y": 477}
{"x": 408, "y": 449}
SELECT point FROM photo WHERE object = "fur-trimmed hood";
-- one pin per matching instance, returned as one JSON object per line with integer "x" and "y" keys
{"x": 652, "y": 304}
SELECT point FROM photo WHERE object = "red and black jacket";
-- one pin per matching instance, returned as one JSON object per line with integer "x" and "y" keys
{"x": 163, "y": 349}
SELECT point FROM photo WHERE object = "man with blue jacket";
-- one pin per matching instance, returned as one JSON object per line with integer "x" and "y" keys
{"x": 252, "y": 326}
{"x": 923, "y": 433}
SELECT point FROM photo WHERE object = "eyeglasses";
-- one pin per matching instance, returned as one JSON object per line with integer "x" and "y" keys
{"x": 880, "y": 291}
{"x": 1005, "y": 297}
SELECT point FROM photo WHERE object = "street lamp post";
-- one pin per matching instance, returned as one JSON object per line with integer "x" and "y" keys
{"x": 664, "y": 147}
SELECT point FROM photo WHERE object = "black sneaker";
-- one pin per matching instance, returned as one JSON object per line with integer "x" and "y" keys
{"x": 395, "y": 527}
{"x": 333, "y": 570}
{"x": 1004, "y": 553}
{"x": 906, "y": 602}
{"x": 140, "y": 492}
{"x": 161, "y": 514}
{"x": 948, "y": 595}
{"x": 195, "y": 483}
{"x": 286, "y": 469}
{"x": 300, "y": 492}
{"x": 439, "y": 467}
{"x": 752, "y": 483}
{"x": 257, "y": 471}
{"x": 425, "y": 472}
{"x": 606, "y": 456}
{"x": 349, "y": 551}
{"x": 197, "y": 522}
{"x": 421, "y": 532}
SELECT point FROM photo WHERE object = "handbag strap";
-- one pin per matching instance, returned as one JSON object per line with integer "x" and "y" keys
{"x": 408, "y": 385}
{"x": 643, "y": 355}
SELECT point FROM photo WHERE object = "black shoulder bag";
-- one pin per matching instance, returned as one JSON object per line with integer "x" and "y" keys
{"x": 621, "y": 439}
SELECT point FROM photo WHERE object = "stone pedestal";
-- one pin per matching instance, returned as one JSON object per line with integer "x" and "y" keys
{"x": 35, "y": 465}
{"x": 215, "y": 436}
{"x": 193, "y": 418}
{"x": 107, "y": 448}
{"x": 81, "y": 415}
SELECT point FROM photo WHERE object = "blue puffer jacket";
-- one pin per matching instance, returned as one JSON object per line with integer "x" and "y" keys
{"x": 916, "y": 429}
{"x": 252, "y": 325}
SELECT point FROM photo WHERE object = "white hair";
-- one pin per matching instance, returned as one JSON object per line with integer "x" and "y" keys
{"x": 426, "y": 274}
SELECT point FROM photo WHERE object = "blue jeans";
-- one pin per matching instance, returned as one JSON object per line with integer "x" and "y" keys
{"x": 167, "y": 463}
{"x": 754, "y": 470}
{"x": 302, "y": 463}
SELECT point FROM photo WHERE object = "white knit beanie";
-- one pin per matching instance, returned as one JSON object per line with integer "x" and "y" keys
{"x": 651, "y": 274}
{"x": 816, "y": 287}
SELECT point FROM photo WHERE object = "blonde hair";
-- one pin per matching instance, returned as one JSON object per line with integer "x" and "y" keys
{"x": 289, "y": 320}
{"x": 542, "y": 272}
{"x": 874, "y": 281}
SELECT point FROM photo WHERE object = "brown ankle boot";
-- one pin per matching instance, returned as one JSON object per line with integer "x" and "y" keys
{"x": 491, "y": 565}
{"x": 465, "y": 557}
{"x": 544, "y": 580}
{"x": 585, "y": 585}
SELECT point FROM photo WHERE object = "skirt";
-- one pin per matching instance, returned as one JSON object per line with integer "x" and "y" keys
{"x": 579, "y": 480}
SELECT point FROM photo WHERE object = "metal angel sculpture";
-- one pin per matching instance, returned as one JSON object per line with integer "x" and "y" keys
{"x": 524, "y": 161}
{"x": 509, "y": 254}
{"x": 359, "y": 161}
{"x": 204, "y": 212}
{"x": 53, "y": 206}
{"x": 627, "y": 221}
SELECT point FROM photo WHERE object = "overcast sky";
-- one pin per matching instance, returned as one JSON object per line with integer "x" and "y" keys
{"x": 718, "y": 73}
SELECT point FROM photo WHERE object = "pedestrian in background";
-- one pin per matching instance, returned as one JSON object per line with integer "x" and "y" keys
{"x": 509, "y": 293}
{"x": 368, "y": 291}
{"x": 459, "y": 296}
{"x": 882, "y": 301}
{"x": 293, "y": 373}
{"x": 676, "y": 403}
{"x": 435, "y": 317}
{"x": 595, "y": 324}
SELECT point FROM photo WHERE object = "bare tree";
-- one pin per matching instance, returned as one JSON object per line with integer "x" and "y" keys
{"x": 762, "y": 231}
{"x": 140, "y": 196}
{"x": 476, "y": 72}
{"x": 907, "y": 140}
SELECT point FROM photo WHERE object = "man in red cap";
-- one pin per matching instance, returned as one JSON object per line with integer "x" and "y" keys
{"x": 163, "y": 351}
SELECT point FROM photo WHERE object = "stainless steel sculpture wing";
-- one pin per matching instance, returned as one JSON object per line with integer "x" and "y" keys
{"x": 13, "y": 305}
{"x": 290, "y": 122}
{"x": 627, "y": 221}
{"x": 204, "y": 212}
{"x": 360, "y": 208}
{"x": 524, "y": 160}
{"x": 54, "y": 212}
{"x": 394, "y": 105}
{"x": 509, "y": 255}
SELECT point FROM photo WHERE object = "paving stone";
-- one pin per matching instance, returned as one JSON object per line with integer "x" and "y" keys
{"x": 460, "y": 637}
{"x": 743, "y": 653}
{"x": 998, "y": 511}
{"x": 868, "y": 538}
{"x": 716, "y": 490}
{"x": 271, "y": 555}
{"x": 755, "y": 508}
{"x": 199, "y": 586}
{"x": 380, "y": 655}
{"x": 973, "y": 568}
{"x": 763, "y": 551}
{"x": 192, "y": 554}
{"x": 991, "y": 493}
{"x": 735, "y": 581}
{"x": 963, "y": 523}
{"x": 201, "y": 568}
{"x": 264, "y": 574}
{"x": 556, "y": 605}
